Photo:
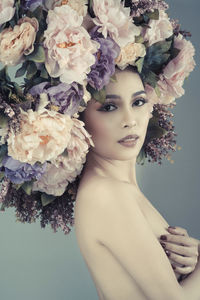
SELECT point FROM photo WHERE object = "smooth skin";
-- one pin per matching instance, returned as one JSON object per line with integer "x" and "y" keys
{"x": 112, "y": 210}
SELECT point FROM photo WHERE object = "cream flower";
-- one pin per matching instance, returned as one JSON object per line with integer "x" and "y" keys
{"x": 159, "y": 29}
{"x": 129, "y": 54}
{"x": 69, "y": 48}
{"x": 18, "y": 41}
{"x": 54, "y": 181}
{"x": 115, "y": 20}
{"x": 7, "y": 10}
{"x": 80, "y": 6}
{"x": 3, "y": 134}
{"x": 43, "y": 136}
{"x": 65, "y": 169}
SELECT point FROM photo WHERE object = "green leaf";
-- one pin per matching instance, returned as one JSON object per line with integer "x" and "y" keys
{"x": 174, "y": 52}
{"x": 1, "y": 175}
{"x": 20, "y": 72}
{"x": 4, "y": 74}
{"x": 3, "y": 121}
{"x": 31, "y": 70}
{"x": 153, "y": 15}
{"x": 43, "y": 72}
{"x": 139, "y": 39}
{"x": 47, "y": 199}
{"x": 38, "y": 13}
{"x": 99, "y": 96}
{"x": 3, "y": 152}
{"x": 27, "y": 187}
{"x": 154, "y": 132}
{"x": 17, "y": 186}
{"x": 139, "y": 64}
{"x": 141, "y": 157}
{"x": 157, "y": 90}
{"x": 18, "y": 89}
{"x": 113, "y": 78}
{"x": 38, "y": 55}
{"x": 151, "y": 78}
{"x": 90, "y": 9}
{"x": 65, "y": 153}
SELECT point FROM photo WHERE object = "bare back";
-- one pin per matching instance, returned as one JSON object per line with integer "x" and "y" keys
{"x": 112, "y": 281}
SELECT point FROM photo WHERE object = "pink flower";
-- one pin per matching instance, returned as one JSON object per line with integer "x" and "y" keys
{"x": 172, "y": 80}
{"x": 18, "y": 41}
{"x": 7, "y": 10}
{"x": 43, "y": 136}
{"x": 160, "y": 29}
{"x": 65, "y": 169}
{"x": 77, "y": 147}
{"x": 69, "y": 48}
{"x": 115, "y": 20}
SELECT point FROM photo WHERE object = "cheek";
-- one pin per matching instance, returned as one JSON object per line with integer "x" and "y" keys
{"x": 99, "y": 129}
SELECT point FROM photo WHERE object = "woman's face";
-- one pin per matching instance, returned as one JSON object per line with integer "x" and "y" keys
{"x": 126, "y": 111}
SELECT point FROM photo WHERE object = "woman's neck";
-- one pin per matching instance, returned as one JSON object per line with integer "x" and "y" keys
{"x": 124, "y": 171}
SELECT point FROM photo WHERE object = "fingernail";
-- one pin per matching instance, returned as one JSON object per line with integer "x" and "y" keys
{"x": 172, "y": 227}
{"x": 167, "y": 253}
{"x": 163, "y": 245}
{"x": 163, "y": 237}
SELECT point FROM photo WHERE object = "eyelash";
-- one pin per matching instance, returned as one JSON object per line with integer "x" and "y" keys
{"x": 109, "y": 104}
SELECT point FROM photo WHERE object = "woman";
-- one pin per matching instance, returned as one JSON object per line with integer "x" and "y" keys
{"x": 117, "y": 227}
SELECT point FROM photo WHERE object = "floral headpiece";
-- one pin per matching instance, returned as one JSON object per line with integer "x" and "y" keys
{"x": 67, "y": 51}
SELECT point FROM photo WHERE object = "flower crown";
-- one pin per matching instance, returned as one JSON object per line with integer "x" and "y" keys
{"x": 67, "y": 51}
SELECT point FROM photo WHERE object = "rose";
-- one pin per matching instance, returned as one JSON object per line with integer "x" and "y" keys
{"x": 7, "y": 10}
{"x": 43, "y": 136}
{"x": 129, "y": 53}
{"x": 159, "y": 29}
{"x": 18, "y": 41}
{"x": 69, "y": 48}
{"x": 115, "y": 20}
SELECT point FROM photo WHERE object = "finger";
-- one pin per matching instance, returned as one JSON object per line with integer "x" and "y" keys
{"x": 180, "y": 240}
{"x": 177, "y": 230}
{"x": 180, "y": 250}
{"x": 182, "y": 270}
{"x": 182, "y": 260}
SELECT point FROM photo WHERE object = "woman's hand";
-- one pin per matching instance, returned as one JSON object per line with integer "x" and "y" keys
{"x": 182, "y": 250}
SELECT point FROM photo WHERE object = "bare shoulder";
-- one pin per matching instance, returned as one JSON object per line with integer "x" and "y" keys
{"x": 98, "y": 199}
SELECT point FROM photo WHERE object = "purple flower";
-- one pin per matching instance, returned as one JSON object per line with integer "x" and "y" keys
{"x": 66, "y": 96}
{"x": 32, "y": 4}
{"x": 104, "y": 66}
{"x": 19, "y": 172}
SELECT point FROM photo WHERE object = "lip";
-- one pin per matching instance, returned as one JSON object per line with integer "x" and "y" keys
{"x": 127, "y": 139}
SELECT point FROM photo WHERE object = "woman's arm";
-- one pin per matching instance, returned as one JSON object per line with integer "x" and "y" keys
{"x": 122, "y": 228}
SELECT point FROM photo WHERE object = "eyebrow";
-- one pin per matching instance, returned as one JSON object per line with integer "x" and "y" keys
{"x": 118, "y": 97}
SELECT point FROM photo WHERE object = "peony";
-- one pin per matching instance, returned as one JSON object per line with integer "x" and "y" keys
{"x": 129, "y": 54}
{"x": 53, "y": 182}
{"x": 43, "y": 136}
{"x": 115, "y": 20}
{"x": 65, "y": 169}
{"x": 172, "y": 80}
{"x": 18, "y": 41}
{"x": 7, "y": 10}
{"x": 3, "y": 134}
{"x": 69, "y": 48}
{"x": 159, "y": 29}
{"x": 80, "y": 6}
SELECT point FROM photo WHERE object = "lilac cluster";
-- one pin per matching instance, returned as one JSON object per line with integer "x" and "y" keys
{"x": 139, "y": 8}
{"x": 19, "y": 172}
{"x": 104, "y": 66}
{"x": 158, "y": 148}
{"x": 66, "y": 97}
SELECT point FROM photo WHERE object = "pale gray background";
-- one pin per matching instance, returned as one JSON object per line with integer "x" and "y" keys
{"x": 38, "y": 264}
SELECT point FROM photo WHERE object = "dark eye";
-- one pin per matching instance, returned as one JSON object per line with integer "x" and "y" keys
{"x": 142, "y": 101}
{"x": 106, "y": 107}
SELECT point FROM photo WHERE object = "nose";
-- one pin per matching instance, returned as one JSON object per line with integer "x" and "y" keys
{"x": 128, "y": 119}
